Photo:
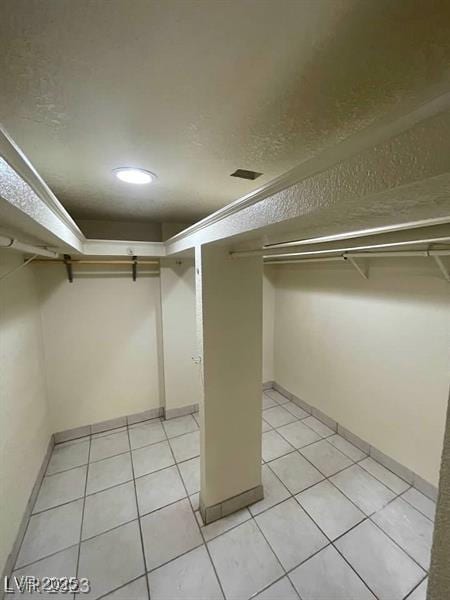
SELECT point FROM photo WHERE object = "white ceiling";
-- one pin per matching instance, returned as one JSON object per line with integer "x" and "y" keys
{"x": 193, "y": 90}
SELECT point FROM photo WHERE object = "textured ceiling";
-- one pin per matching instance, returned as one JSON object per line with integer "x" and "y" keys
{"x": 194, "y": 90}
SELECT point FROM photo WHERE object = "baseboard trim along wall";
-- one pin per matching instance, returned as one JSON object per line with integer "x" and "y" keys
{"x": 268, "y": 385}
{"x": 173, "y": 413}
{"x": 430, "y": 490}
{"x": 210, "y": 514}
{"x": 153, "y": 413}
{"x": 78, "y": 432}
{"x": 12, "y": 557}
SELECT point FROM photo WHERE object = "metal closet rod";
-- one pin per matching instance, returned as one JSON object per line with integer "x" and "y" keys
{"x": 346, "y": 255}
{"x": 83, "y": 261}
{"x": 268, "y": 252}
{"x": 14, "y": 244}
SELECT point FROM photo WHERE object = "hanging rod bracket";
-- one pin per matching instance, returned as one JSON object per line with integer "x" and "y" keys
{"x": 68, "y": 263}
{"x": 363, "y": 270}
{"x": 134, "y": 267}
{"x": 443, "y": 269}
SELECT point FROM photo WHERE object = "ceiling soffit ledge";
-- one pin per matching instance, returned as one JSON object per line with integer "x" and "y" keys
{"x": 393, "y": 156}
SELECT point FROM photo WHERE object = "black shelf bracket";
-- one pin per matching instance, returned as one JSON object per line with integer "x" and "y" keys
{"x": 68, "y": 263}
{"x": 134, "y": 268}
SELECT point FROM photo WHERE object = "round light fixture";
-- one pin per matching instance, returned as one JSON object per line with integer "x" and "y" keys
{"x": 133, "y": 175}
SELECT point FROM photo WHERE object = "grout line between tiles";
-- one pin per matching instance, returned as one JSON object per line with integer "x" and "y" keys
{"x": 25, "y": 566}
{"x": 378, "y": 479}
{"x": 410, "y": 593}
{"x": 44, "y": 510}
{"x": 120, "y": 587}
{"x": 332, "y": 543}
{"x": 138, "y": 519}
{"x": 411, "y": 487}
{"x": 198, "y": 525}
{"x": 82, "y": 512}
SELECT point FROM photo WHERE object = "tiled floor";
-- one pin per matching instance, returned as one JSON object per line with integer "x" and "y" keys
{"x": 121, "y": 508}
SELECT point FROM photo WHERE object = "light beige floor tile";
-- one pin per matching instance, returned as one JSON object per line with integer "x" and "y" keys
{"x": 274, "y": 446}
{"x": 389, "y": 479}
{"x": 159, "y": 489}
{"x": 409, "y": 528}
{"x": 195, "y": 500}
{"x": 190, "y": 472}
{"x": 296, "y": 410}
{"x": 279, "y": 398}
{"x": 281, "y": 590}
{"x": 112, "y": 559}
{"x": 109, "y": 445}
{"x": 186, "y": 446}
{"x": 60, "y": 488}
{"x": 218, "y": 527}
{"x": 265, "y": 426}
{"x": 51, "y": 531}
{"x": 146, "y": 433}
{"x": 346, "y": 447}
{"x": 62, "y": 564}
{"x": 278, "y": 416}
{"x": 109, "y": 472}
{"x": 326, "y": 457}
{"x": 136, "y": 590}
{"x": 319, "y": 427}
{"x": 365, "y": 491}
{"x": 386, "y": 569}
{"x": 295, "y": 472}
{"x": 169, "y": 532}
{"x": 298, "y": 434}
{"x": 108, "y": 509}
{"x": 268, "y": 402}
{"x": 189, "y": 577}
{"x": 68, "y": 455}
{"x": 274, "y": 492}
{"x": 152, "y": 458}
{"x": 180, "y": 425}
{"x": 244, "y": 561}
{"x": 420, "y": 502}
{"x": 420, "y": 593}
{"x": 330, "y": 509}
{"x": 292, "y": 535}
{"x": 326, "y": 576}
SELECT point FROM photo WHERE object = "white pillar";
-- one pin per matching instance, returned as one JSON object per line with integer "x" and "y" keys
{"x": 229, "y": 321}
{"x": 439, "y": 579}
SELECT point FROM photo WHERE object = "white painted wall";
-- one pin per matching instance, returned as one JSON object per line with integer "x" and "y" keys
{"x": 101, "y": 345}
{"x": 24, "y": 426}
{"x": 373, "y": 355}
{"x": 182, "y": 377}
{"x": 268, "y": 323}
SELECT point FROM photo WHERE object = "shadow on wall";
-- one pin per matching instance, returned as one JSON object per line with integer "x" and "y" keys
{"x": 394, "y": 279}
{"x": 101, "y": 338}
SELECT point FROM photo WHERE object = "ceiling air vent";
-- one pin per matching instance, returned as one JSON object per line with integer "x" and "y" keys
{"x": 244, "y": 174}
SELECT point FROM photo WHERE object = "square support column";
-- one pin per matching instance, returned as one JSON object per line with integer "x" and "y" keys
{"x": 439, "y": 577}
{"x": 229, "y": 322}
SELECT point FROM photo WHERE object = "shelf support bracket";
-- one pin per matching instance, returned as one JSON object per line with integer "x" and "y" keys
{"x": 362, "y": 270}
{"x": 68, "y": 263}
{"x": 443, "y": 269}
{"x": 134, "y": 268}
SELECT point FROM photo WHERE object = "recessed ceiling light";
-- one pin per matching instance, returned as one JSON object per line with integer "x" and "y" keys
{"x": 132, "y": 175}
